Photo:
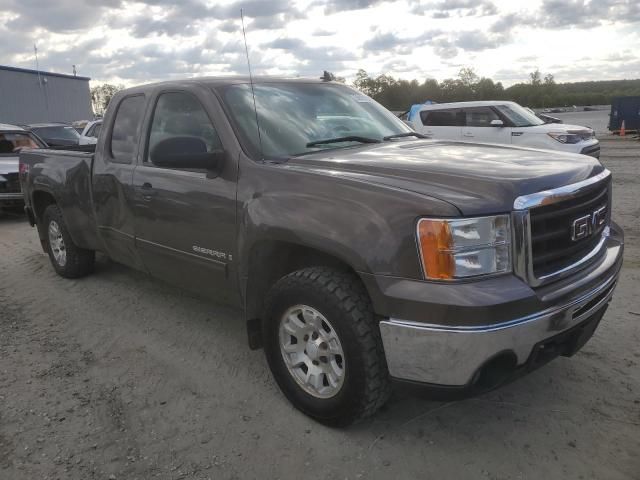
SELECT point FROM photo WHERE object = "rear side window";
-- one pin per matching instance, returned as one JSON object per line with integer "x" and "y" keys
{"x": 58, "y": 132}
{"x": 12, "y": 143}
{"x": 94, "y": 131}
{"x": 441, "y": 118}
{"x": 126, "y": 129}
{"x": 480, "y": 116}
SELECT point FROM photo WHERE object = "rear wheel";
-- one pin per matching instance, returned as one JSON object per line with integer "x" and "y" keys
{"x": 323, "y": 345}
{"x": 68, "y": 260}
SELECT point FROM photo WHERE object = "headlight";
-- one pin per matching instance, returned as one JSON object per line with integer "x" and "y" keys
{"x": 465, "y": 247}
{"x": 566, "y": 137}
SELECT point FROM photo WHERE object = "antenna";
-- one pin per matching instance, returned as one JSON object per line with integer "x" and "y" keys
{"x": 35, "y": 50}
{"x": 253, "y": 93}
{"x": 42, "y": 89}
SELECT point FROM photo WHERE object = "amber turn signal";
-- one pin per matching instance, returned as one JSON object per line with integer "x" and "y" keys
{"x": 436, "y": 245}
{"x": 457, "y": 248}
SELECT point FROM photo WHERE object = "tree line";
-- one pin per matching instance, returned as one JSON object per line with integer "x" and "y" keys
{"x": 540, "y": 91}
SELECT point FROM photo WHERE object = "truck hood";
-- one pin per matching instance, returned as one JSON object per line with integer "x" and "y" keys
{"x": 8, "y": 165}
{"x": 477, "y": 179}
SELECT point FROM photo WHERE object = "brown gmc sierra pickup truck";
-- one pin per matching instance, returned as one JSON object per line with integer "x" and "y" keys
{"x": 359, "y": 251}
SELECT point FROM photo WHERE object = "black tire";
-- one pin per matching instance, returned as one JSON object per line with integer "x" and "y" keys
{"x": 341, "y": 298}
{"x": 78, "y": 262}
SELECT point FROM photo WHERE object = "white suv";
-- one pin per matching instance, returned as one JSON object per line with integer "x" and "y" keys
{"x": 89, "y": 135}
{"x": 501, "y": 122}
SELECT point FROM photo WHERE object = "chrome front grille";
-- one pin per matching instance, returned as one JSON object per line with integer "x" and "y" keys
{"x": 552, "y": 238}
{"x": 557, "y": 232}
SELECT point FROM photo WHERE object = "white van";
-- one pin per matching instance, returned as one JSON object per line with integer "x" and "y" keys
{"x": 501, "y": 122}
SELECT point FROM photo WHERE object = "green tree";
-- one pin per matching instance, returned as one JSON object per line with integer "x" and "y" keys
{"x": 539, "y": 91}
{"x": 468, "y": 77}
{"x": 101, "y": 95}
{"x": 535, "y": 78}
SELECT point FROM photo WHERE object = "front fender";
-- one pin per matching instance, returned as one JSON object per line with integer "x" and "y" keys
{"x": 369, "y": 226}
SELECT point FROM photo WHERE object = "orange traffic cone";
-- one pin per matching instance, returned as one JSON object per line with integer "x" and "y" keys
{"x": 622, "y": 132}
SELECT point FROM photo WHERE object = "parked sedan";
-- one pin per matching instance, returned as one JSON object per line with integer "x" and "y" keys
{"x": 12, "y": 140}
{"x": 56, "y": 134}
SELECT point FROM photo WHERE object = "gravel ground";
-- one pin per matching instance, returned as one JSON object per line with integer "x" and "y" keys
{"x": 117, "y": 376}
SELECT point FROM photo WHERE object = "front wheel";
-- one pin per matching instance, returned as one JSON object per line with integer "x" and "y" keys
{"x": 68, "y": 260}
{"x": 323, "y": 346}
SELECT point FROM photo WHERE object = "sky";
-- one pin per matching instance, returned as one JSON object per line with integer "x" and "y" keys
{"x": 135, "y": 42}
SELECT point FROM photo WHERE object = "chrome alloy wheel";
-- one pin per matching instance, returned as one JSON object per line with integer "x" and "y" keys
{"x": 57, "y": 243}
{"x": 312, "y": 351}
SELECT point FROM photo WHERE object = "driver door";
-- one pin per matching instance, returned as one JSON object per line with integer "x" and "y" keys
{"x": 185, "y": 218}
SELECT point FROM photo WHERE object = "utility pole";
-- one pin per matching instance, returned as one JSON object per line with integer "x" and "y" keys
{"x": 74, "y": 70}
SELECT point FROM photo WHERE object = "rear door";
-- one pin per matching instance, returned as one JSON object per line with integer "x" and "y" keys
{"x": 111, "y": 178}
{"x": 477, "y": 126}
{"x": 442, "y": 124}
{"x": 185, "y": 218}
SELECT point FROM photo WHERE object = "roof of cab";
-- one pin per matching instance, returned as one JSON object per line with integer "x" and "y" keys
{"x": 229, "y": 80}
{"x": 12, "y": 128}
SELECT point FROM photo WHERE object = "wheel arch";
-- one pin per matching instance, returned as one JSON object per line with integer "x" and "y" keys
{"x": 40, "y": 200}
{"x": 270, "y": 260}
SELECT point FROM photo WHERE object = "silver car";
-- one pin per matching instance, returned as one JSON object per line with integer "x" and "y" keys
{"x": 12, "y": 140}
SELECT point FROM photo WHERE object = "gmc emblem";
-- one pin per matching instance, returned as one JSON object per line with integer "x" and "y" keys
{"x": 584, "y": 226}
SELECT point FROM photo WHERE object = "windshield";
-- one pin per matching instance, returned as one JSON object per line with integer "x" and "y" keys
{"x": 519, "y": 116}
{"x": 59, "y": 132}
{"x": 11, "y": 143}
{"x": 291, "y": 115}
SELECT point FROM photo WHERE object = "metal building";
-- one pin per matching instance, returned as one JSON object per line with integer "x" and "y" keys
{"x": 31, "y": 96}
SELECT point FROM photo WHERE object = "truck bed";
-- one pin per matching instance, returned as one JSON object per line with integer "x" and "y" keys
{"x": 65, "y": 177}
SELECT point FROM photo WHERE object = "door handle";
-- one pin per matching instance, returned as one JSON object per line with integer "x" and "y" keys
{"x": 147, "y": 191}
{"x": 467, "y": 134}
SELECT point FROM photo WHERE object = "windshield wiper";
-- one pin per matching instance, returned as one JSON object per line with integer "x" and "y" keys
{"x": 350, "y": 138}
{"x": 407, "y": 134}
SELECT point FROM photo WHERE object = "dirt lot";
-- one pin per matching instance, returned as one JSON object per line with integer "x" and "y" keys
{"x": 119, "y": 376}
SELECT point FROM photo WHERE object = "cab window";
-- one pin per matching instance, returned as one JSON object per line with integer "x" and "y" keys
{"x": 126, "y": 129}
{"x": 180, "y": 115}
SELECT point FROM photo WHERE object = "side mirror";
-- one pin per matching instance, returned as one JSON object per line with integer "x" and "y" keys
{"x": 185, "y": 152}
{"x": 497, "y": 123}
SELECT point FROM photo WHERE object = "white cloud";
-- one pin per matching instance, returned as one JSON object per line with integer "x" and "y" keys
{"x": 133, "y": 42}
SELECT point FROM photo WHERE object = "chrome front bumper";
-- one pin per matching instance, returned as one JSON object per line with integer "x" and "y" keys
{"x": 451, "y": 356}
